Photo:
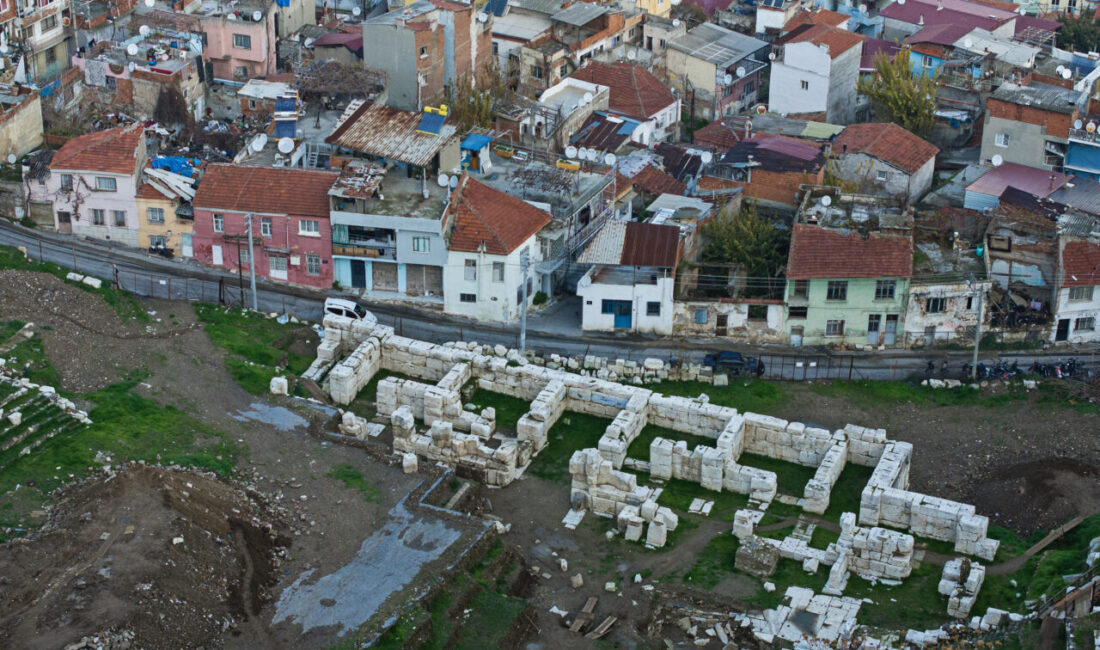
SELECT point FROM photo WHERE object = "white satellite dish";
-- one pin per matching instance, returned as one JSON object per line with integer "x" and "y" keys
{"x": 256, "y": 16}
{"x": 630, "y": 54}
{"x": 593, "y": 155}
{"x": 582, "y": 153}
{"x": 570, "y": 152}
{"x": 355, "y": 11}
{"x": 741, "y": 71}
{"x": 727, "y": 80}
{"x": 1091, "y": 127}
{"x": 443, "y": 180}
{"x": 3, "y": 48}
{"x": 863, "y": 8}
{"x": 1021, "y": 11}
{"x": 1077, "y": 124}
{"x": 132, "y": 66}
{"x": 997, "y": 160}
{"x": 675, "y": 22}
{"x": 706, "y": 157}
{"x": 771, "y": 56}
{"x": 143, "y": 30}
{"x": 826, "y": 200}
{"x": 11, "y": 159}
{"x": 609, "y": 159}
{"x": 257, "y": 146}
{"x": 761, "y": 109}
{"x": 132, "y": 49}
{"x": 968, "y": 43}
{"x": 286, "y": 145}
{"x": 1067, "y": 73}
{"x": 482, "y": 17}
{"x": 676, "y": 2}
{"x": 231, "y": 16}
{"x": 454, "y": 182}
{"x": 150, "y": 3}
{"x": 263, "y": 139}
{"x": 901, "y": 2}
{"x": 1059, "y": 69}
{"x": 587, "y": 98}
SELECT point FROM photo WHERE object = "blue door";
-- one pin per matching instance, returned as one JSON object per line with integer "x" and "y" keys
{"x": 620, "y": 309}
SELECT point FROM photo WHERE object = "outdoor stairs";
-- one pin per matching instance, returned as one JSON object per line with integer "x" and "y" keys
{"x": 804, "y": 530}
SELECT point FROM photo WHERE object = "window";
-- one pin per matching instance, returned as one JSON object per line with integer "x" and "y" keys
{"x": 252, "y": 104}
{"x": 701, "y": 317}
{"x": 158, "y": 241}
{"x": 99, "y": 217}
{"x": 105, "y": 184}
{"x": 838, "y": 290}
{"x": 51, "y": 55}
{"x": 834, "y": 328}
{"x": 1002, "y": 140}
{"x": 797, "y": 312}
{"x": 498, "y": 271}
{"x": 309, "y": 227}
{"x": 241, "y": 72}
{"x": 246, "y": 256}
{"x": 884, "y": 289}
{"x": 469, "y": 271}
{"x": 935, "y": 305}
{"x": 801, "y": 288}
{"x": 727, "y": 91}
{"x": 928, "y": 61}
{"x": 422, "y": 245}
{"x": 496, "y": 48}
{"x": 1077, "y": 294}
{"x": 467, "y": 297}
{"x": 536, "y": 71}
{"x": 66, "y": 182}
{"x": 653, "y": 309}
{"x": 119, "y": 218}
{"x": 424, "y": 51}
{"x": 313, "y": 264}
{"x": 242, "y": 41}
{"x": 881, "y": 175}
{"x": 265, "y": 226}
{"x": 969, "y": 303}
{"x": 805, "y": 85}
{"x": 154, "y": 215}
{"x": 219, "y": 223}
{"x": 1086, "y": 324}
{"x": 48, "y": 23}
{"x": 564, "y": 70}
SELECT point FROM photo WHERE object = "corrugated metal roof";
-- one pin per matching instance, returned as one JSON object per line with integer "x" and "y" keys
{"x": 1084, "y": 195}
{"x": 1040, "y": 182}
{"x": 717, "y": 45}
{"x": 579, "y": 14}
{"x": 1041, "y": 96}
{"x": 629, "y": 243}
{"x": 386, "y": 132}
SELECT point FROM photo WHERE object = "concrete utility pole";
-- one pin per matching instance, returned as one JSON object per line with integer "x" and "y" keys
{"x": 524, "y": 258}
{"x": 977, "y": 329}
{"x": 251, "y": 262}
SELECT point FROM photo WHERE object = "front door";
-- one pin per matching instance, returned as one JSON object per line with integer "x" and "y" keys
{"x": 216, "y": 252}
{"x": 723, "y": 321}
{"x": 359, "y": 274}
{"x": 891, "y": 334}
{"x": 930, "y": 335}
{"x": 874, "y": 324}
{"x": 277, "y": 267}
{"x": 64, "y": 222}
{"x": 620, "y": 310}
{"x": 1063, "y": 330}
{"x": 186, "y": 249}
{"x": 796, "y": 336}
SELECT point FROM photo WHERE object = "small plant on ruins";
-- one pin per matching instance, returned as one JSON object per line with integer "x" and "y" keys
{"x": 540, "y": 298}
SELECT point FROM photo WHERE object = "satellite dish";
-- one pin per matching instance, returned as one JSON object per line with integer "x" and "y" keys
{"x": 727, "y": 80}
{"x": 150, "y": 3}
{"x": 676, "y": 22}
{"x": 676, "y": 2}
{"x": 997, "y": 160}
{"x": 1059, "y": 69}
{"x": 761, "y": 109}
{"x": 587, "y": 98}
{"x": 132, "y": 49}
{"x": 1021, "y": 11}
{"x": 454, "y": 182}
{"x": 1077, "y": 124}
{"x": 707, "y": 157}
{"x": 901, "y": 2}
{"x": 3, "y": 48}
{"x": 771, "y": 56}
{"x": 132, "y": 66}
{"x": 741, "y": 71}
{"x": 968, "y": 43}
{"x": 630, "y": 54}
{"x": 1091, "y": 127}
{"x": 256, "y": 16}
{"x": 748, "y": 125}
{"x": 826, "y": 200}
{"x": 609, "y": 159}
{"x": 593, "y": 155}
{"x": 1067, "y": 73}
{"x": 355, "y": 11}
{"x": 286, "y": 145}
{"x": 443, "y": 180}
{"x": 571, "y": 151}
{"x": 263, "y": 139}
{"x": 143, "y": 30}
{"x": 863, "y": 8}
{"x": 482, "y": 17}
{"x": 231, "y": 16}
{"x": 11, "y": 159}
{"x": 582, "y": 153}
{"x": 257, "y": 146}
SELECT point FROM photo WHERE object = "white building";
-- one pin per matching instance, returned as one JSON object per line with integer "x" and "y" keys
{"x": 941, "y": 311}
{"x": 1077, "y": 297}
{"x": 489, "y": 233}
{"x": 630, "y": 287}
{"x": 815, "y": 71}
{"x": 635, "y": 93}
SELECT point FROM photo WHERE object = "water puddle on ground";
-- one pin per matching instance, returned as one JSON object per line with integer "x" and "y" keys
{"x": 281, "y": 418}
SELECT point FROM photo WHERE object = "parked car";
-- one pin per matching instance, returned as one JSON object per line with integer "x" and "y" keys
{"x": 729, "y": 362}
{"x": 346, "y": 308}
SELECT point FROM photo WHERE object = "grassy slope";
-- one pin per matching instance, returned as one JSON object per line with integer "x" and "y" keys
{"x": 259, "y": 347}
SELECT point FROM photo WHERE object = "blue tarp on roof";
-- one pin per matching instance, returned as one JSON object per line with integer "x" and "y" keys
{"x": 285, "y": 104}
{"x": 496, "y": 7}
{"x": 286, "y": 128}
{"x": 476, "y": 142}
{"x": 628, "y": 126}
{"x": 175, "y": 164}
{"x": 431, "y": 123}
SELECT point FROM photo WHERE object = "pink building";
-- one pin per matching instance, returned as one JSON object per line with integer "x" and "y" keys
{"x": 291, "y": 236}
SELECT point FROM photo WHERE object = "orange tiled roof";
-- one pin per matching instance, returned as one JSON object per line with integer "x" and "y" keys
{"x": 887, "y": 142}
{"x": 837, "y": 40}
{"x": 489, "y": 218}
{"x": 657, "y": 182}
{"x": 817, "y": 17}
{"x": 273, "y": 190}
{"x": 113, "y": 151}
{"x": 635, "y": 92}
{"x": 823, "y": 253}
{"x": 1080, "y": 264}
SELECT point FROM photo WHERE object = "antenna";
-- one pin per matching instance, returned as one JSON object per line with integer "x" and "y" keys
{"x": 609, "y": 160}
{"x": 826, "y": 200}
{"x": 901, "y": 2}
{"x": 863, "y": 8}
{"x": 741, "y": 71}
{"x": 286, "y": 145}
{"x": 257, "y": 16}
{"x": 997, "y": 160}
{"x": 132, "y": 66}
{"x": 231, "y": 16}
{"x": 771, "y": 56}
{"x": 1091, "y": 127}
{"x": 571, "y": 151}
{"x": 143, "y": 30}
{"x": 706, "y": 157}
{"x": 132, "y": 49}
{"x": 594, "y": 155}
{"x": 761, "y": 109}
{"x": 1021, "y": 11}
{"x": 3, "y": 48}
{"x": 257, "y": 146}
{"x": 1059, "y": 69}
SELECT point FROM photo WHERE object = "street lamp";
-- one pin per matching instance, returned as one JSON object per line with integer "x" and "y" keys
{"x": 978, "y": 326}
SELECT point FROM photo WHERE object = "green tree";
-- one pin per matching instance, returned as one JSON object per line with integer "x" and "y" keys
{"x": 1079, "y": 33}
{"x": 748, "y": 241}
{"x": 907, "y": 99}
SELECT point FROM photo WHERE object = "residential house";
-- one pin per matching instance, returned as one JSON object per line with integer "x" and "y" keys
{"x": 847, "y": 288}
{"x": 20, "y": 121}
{"x": 425, "y": 47}
{"x": 816, "y": 16}
{"x": 985, "y": 192}
{"x": 44, "y": 34}
{"x": 688, "y": 213}
{"x": 904, "y": 18}
{"x": 654, "y": 8}
{"x": 1029, "y": 123}
{"x": 651, "y": 181}
{"x": 947, "y": 290}
{"x": 656, "y": 34}
{"x": 636, "y": 94}
{"x": 342, "y": 47}
{"x": 92, "y": 184}
{"x": 288, "y": 208}
{"x": 630, "y": 286}
{"x": 885, "y": 160}
{"x": 772, "y": 15}
{"x": 492, "y": 252}
{"x": 165, "y": 217}
{"x": 815, "y": 71}
{"x": 258, "y": 96}
{"x": 772, "y": 170}
{"x": 716, "y": 69}
{"x": 560, "y": 112}
{"x": 1083, "y": 144}
{"x": 720, "y": 135}
{"x": 516, "y": 23}
{"x": 1077, "y": 291}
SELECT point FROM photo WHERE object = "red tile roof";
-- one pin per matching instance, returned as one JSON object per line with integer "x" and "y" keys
{"x": 635, "y": 92}
{"x": 837, "y": 40}
{"x": 271, "y": 190}
{"x": 1080, "y": 264}
{"x": 887, "y": 142}
{"x": 657, "y": 182}
{"x": 818, "y": 17}
{"x": 113, "y": 151}
{"x": 483, "y": 216}
{"x": 147, "y": 191}
{"x": 823, "y": 253}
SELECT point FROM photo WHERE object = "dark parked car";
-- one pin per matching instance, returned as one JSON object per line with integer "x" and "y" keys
{"x": 731, "y": 363}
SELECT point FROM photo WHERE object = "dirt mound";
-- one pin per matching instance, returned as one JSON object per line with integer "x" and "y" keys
{"x": 168, "y": 558}
{"x": 1039, "y": 495}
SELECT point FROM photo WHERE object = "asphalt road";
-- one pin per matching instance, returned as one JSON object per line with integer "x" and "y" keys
{"x": 152, "y": 276}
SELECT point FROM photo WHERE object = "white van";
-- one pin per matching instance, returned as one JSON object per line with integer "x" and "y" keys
{"x": 346, "y": 308}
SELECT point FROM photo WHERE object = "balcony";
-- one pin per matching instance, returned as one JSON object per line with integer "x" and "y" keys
{"x": 1083, "y": 136}
{"x": 369, "y": 248}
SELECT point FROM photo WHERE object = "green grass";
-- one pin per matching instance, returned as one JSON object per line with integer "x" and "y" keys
{"x": 751, "y": 395}
{"x": 40, "y": 370}
{"x": 915, "y": 603}
{"x": 639, "y": 449}
{"x": 509, "y": 409}
{"x": 9, "y": 328}
{"x": 871, "y": 395}
{"x": 492, "y": 616}
{"x": 353, "y": 480}
{"x": 678, "y": 495}
{"x": 713, "y": 563}
{"x": 791, "y": 478}
{"x": 847, "y": 491}
{"x": 258, "y": 347}
{"x": 572, "y": 431}
{"x": 123, "y": 303}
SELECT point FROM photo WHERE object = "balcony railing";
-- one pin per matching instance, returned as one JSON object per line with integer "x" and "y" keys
{"x": 1081, "y": 135}
{"x": 365, "y": 248}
